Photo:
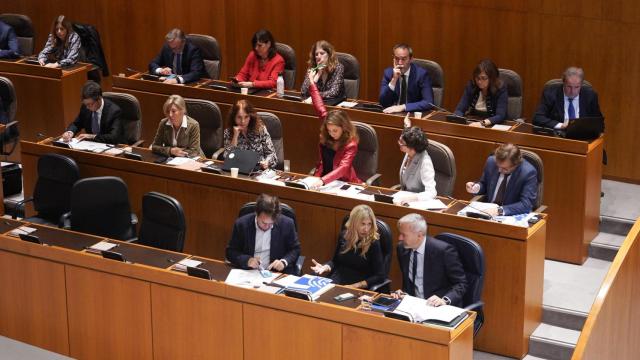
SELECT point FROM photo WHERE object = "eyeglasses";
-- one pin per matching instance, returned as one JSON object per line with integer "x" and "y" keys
{"x": 401, "y": 143}
{"x": 403, "y": 59}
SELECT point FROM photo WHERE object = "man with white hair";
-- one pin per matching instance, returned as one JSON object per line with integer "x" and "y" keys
{"x": 179, "y": 60}
{"x": 431, "y": 268}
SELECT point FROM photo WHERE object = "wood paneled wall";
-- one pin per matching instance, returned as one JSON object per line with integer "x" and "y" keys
{"x": 536, "y": 38}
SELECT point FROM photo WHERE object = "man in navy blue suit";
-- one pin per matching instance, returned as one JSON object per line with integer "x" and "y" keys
{"x": 179, "y": 60}
{"x": 8, "y": 42}
{"x": 507, "y": 180}
{"x": 431, "y": 268}
{"x": 405, "y": 86}
{"x": 569, "y": 100}
{"x": 265, "y": 239}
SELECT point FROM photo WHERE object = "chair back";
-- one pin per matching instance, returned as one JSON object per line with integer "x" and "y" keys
{"x": 274, "y": 127}
{"x": 130, "y": 116}
{"x": 513, "y": 82}
{"x": 285, "y": 210}
{"x": 163, "y": 223}
{"x": 289, "y": 56}
{"x": 444, "y": 165}
{"x": 366, "y": 160}
{"x": 472, "y": 259}
{"x": 211, "y": 55}
{"x": 536, "y": 161}
{"x": 100, "y": 206}
{"x": 8, "y": 96}
{"x": 207, "y": 114}
{"x": 52, "y": 194}
{"x": 23, "y": 28}
{"x": 351, "y": 74}
{"x": 436, "y": 75}
{"x": 386, "y": 242}
{"x": 554, "y": 82}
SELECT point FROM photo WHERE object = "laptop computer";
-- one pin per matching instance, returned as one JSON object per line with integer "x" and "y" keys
{"x": 244, "y": 160}
{"x": 584, "y": 128}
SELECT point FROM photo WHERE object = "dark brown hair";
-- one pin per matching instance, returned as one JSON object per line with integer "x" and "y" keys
{"x": 415, "y": 139}
{"x": 341, "y": 119}
{"x": 264, "y": 36}
{"x": 509, "y": 152}
{"x": 58, "y": 44}
{"x": 488, "y": 67}
{"x": 255, "y": 123}
{"x": 268, "y": 204}
{"x": 332, "y": 61}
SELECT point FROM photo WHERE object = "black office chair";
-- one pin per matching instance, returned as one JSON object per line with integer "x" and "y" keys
{"x": 536, "y": 162}
{"x": 274, "y": 127}
{"x": 11, "y": 135}
{"x": 386, "y": 243}
{"x": 91, "y": 51}
{"x": 513, "y": 82}
{"x": 289, "y": 56}
{"x": 472, "y": 259}
{"x": 52, "y": 194}
{"x": 285, "y": 210}
{"x": 130, "y": 118}
{"x": 436, "y": 75}
{"x": 23, "y": 28}
{"x": 211, "y": 55}
{"x": 208, "y": 115}
{"x": 351, "y": 74}
{"x": 163, "y": 225}
{"x": 100, "y": 206}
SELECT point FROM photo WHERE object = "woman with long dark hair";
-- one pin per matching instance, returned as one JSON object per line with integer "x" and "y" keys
{"x": 63, "y": 45}
{"x": 485, "y": 95}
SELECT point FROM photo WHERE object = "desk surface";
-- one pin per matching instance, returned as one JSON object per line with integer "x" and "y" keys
{"x": 211, "y": 203}
{"x": 177, "y": 310}
{"x": 574, "y": 210}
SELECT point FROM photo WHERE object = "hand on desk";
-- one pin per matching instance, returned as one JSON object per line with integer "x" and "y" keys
{"x": 277, "y": 265}
{"x": 394, "y": 109}
{"x": 485, "y": 123}
{"x": 54, "y": 65}
{"x": 253, "y": 263}
{"x": 86, "y": 136}
{"x": 176, "y": 151}
{"x": 67, "y": 136}
{"x": 246, "y": 84}
{"x": 320, "y": 269}
{"x": 314, "y": 182}
{"x": 436, "y": 301}
{"x": 164, "y": 71}
{"x": 264, "y": 164}
{"x": 398, "y": 294}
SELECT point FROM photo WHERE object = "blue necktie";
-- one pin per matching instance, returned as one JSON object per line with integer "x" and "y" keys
{"x": 178, "y": 69}
{"x": 571, "y": 111}
{"x": 95, "y": 123}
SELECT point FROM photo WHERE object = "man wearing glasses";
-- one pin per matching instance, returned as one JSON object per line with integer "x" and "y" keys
{"x": 507, "y": 180}
{"x": 98, "y": 117}
{"x": 265, "y": 239}
{"x": 405, "y": 86}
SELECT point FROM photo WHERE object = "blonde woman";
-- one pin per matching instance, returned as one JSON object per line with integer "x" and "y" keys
{"x": 357, "y": 261}
{"x": 178, "y": 134}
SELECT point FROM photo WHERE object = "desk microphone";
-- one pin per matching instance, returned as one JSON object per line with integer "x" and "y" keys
{"x": 484, "y": 215}
{"x": 134, "y": 70}
{"x": 439, "y": 108}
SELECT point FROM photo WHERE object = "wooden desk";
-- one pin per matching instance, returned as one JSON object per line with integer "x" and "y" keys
{"x": 86, "y": 307}
{"x": 514, "y": 256}
{"x": 572, "y": 169}
{"x": 48, "y": 99}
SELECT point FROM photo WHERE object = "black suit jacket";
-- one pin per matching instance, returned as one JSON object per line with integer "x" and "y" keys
{"x": 550, "y": 110}
{"x": 192, "y": 64}
{"x": 9, "y": 47}
{"x": 443, "y": 272}
{"x": 284, "y": 242}
{"x": 110, "y": 125}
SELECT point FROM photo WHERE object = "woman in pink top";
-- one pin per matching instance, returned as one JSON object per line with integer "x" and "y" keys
{"x": 263, "y": 64}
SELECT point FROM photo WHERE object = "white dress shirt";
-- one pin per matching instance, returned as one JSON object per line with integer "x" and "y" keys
{"x": 262, "y": 249}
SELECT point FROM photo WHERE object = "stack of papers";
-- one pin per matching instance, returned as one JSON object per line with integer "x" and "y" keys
{"x": 433, "y": 204}
{"x": 418, "y": 310}
{"x": 253, "y": 279}
{"x": 22, "y": 230}
{"x": 100, "y": 247}
{"x": 184, "y": 263}
{"x": 87, "y": 145}
{"x": 478, "y": 208}
{"x": 347, "y": 104}
{"x": 501, "y": 127}
{"x": 310, "y": 285}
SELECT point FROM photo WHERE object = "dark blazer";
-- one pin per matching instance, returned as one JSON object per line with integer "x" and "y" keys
{"x": 350, "y": 267}
{"x": 498, "y": 102}
{"x": 192, "y": 64}
{"x": 284, "y": 242}
{"x": 8, "y": 42}
{"x": 443, "y": 271}
{"x": 419, "y": 91}
{"x": 110, "y": 125}
{"x": 522, "y": 188}
{"x": 550, "y": 110}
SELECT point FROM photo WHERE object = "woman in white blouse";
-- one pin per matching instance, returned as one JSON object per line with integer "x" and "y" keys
{"x": 416, "y": 172}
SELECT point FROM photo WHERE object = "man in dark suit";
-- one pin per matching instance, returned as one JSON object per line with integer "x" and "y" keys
{"x": 8, "y": 42}
{"x": 405, "y": 86}
{"x": 507, "y": 180}
{"x": 98, "y": 117}
{"x": 431, "y": 268}
{"x": 264, "y": 240}
{"x": 179, "y": 60}
{"x": 569, "y": 100}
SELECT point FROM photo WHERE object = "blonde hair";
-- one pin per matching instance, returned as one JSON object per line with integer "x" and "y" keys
{"x": 358, "y": 215}
{"x": 176, "y": 100}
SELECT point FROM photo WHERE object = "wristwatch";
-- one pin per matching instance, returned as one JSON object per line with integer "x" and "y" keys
{"x": 500, "y": 210}
{"x": 446, "y": 300}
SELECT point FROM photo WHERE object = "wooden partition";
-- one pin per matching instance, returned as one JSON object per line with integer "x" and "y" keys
{"x": 514, "y": 255}
{"x": 86, "y": 307}
{"x": 536, "y": 38}
{"x": 613, "y": 326}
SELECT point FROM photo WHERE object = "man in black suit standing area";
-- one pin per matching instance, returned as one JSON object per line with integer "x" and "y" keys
{"x": 431, "y": 268}
{"x": 265, "y": 239}
{"x": 99, "y": 117}
{"x": 569, "y": 100}
{"x": 179, "y": 60}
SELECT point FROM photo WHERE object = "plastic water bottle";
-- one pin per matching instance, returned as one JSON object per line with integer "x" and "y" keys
{"x": 280, "y": 85}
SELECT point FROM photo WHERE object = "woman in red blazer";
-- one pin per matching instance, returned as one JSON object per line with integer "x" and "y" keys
{"x": 338, "y": 143}
{"x": 263, "y": 64}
